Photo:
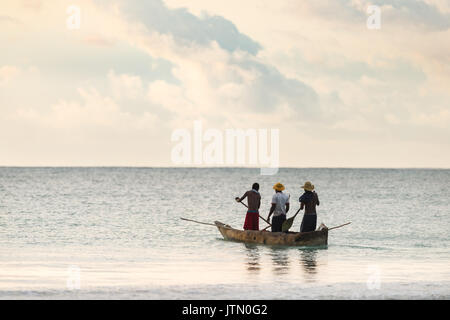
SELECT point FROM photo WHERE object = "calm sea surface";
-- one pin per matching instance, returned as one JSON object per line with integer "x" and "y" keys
{"x": 116, "y": 233}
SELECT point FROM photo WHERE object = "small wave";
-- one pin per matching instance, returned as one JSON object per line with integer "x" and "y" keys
{"x": 360, "y": 247}
{"x": 284, "y": 290}
{"x": 422, "y": 245}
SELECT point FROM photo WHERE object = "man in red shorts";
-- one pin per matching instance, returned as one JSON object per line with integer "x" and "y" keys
{"x": 254, "y": 202}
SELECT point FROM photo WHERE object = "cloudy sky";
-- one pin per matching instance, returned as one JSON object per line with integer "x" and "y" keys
{"x": 113, "y": 91}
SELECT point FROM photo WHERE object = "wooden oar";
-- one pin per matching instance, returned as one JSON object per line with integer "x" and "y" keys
{"x": 339, "y": 226}
{"x": 258, "y": 214}
{"x": 328, "y": 229}
{"x": 288, "y": 223}
{"x": 209, "y": 224}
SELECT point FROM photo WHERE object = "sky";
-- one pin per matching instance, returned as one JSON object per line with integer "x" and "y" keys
{"x": 113, "y": 91}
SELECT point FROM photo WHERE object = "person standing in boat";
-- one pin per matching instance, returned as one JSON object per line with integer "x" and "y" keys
{"x": 279, "y": 208}
{"x": 309, "y": 200}
{"x": 254, "y": 202}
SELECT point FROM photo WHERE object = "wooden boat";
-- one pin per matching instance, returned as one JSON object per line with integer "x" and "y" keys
{"x": 314, "y": 238}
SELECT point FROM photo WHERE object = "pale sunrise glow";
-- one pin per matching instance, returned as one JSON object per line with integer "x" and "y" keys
{"x": 112, "y": 92}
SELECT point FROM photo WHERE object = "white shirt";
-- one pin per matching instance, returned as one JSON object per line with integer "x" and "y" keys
{"x": 280, "y": 199}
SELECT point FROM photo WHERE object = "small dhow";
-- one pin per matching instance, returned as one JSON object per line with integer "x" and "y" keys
{"x": 313, "y": 238}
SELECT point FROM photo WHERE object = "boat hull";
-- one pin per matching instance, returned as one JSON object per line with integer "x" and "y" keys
{"x": 314, "y": 238}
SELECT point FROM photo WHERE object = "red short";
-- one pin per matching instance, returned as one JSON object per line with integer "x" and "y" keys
{"x": 251, "y": 221}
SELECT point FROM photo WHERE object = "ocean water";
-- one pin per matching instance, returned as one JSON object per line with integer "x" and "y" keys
{"x": 116, "y": 233}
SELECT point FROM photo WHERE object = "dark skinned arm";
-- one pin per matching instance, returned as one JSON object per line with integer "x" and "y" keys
{"x": 241, "y": 198}
{"x": 272, "y": 209}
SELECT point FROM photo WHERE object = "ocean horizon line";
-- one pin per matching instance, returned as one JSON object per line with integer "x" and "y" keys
{"x": 208, "y": 167}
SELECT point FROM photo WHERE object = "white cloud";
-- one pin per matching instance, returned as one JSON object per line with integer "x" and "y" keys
{"x": 124, "y": 85}
{"x": 439, "y": 119}
{"x": 8, "y": 73}
{"x": 95, "y": 111}
{"x": 320, "y": 76}
{"x": 442, "y": 5}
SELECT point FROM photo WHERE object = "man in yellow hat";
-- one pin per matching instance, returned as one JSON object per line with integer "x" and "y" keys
{"x": 309, "y": 200}
{"x": 279, "y": 208}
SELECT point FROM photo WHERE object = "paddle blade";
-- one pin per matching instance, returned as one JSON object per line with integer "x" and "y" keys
{"x": 287, "y": 224}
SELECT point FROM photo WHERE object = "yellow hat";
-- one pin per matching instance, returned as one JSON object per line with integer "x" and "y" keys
{"x": 308, "y": 186}
{"x": 278, "y": 187}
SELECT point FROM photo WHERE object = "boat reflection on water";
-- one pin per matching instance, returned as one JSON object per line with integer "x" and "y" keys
{"x": 256, "y": 261}
{"x": 308, "y": 260}
{"x": 280, "y": 259}
{"x": 253, "y": 258}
